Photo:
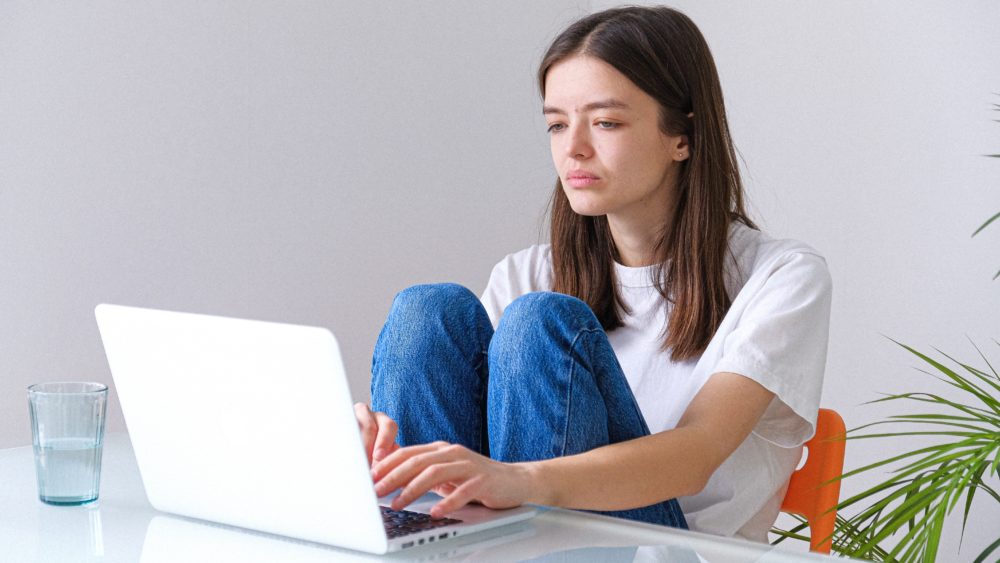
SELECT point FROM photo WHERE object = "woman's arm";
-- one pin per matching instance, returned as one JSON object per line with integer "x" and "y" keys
{"x": 629, "y": 474}
{"x": 666, "y": 465}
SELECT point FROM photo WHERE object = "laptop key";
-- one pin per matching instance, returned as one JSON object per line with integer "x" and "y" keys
{"x": 404, "y": 522}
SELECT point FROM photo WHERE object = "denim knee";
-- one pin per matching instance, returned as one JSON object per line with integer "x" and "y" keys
{"x": 431, "y": 297}
{"x": 422, "y": 315}
{"x": 545, "y": 309}
{"x": 536, "y": 322}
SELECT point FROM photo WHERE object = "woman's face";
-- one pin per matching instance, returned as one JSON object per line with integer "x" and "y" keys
{"x": 607, "y": 145}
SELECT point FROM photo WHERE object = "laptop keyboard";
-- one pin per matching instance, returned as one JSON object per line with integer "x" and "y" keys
{"x": 400, "y": 523}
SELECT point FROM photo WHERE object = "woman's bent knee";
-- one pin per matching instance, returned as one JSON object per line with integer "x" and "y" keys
{"x": 427, "y": 298}
{"x": 543, "y": 308}
{"x": 535, "y": 326}
{"x": 434, "y": 320}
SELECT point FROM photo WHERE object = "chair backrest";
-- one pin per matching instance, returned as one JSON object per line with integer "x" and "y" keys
{"x": 812, "y": 493}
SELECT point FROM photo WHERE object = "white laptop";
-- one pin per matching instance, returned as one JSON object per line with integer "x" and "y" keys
{"x": 251, "y": 424}
{"x": 171, "y": 539}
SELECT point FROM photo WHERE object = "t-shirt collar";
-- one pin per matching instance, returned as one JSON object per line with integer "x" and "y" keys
{"x": 641, "y": 276}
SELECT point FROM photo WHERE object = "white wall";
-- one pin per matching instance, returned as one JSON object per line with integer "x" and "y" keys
{"x": 862, "y": 126}
{"x": 304, "y": 161}
{"x": 299, "y": 162}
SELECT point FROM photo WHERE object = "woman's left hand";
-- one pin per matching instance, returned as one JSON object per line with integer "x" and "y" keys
{"x": 454, "y": 472}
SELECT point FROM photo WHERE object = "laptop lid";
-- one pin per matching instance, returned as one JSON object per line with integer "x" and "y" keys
{"x": 243, "y": 422}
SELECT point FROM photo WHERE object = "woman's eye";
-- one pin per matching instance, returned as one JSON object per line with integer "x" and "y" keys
{"x": 607, "y": 124}
{"x": 556, "y": 127}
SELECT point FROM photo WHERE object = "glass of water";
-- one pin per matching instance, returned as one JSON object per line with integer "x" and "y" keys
{"x": 67, "y": 427}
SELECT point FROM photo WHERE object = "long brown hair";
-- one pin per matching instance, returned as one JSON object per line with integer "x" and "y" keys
{"x": 662, "y": 52}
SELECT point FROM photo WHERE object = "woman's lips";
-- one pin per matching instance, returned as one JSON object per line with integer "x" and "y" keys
{"x": 578, "y": 179}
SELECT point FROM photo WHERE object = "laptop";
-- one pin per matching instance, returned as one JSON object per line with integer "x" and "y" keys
{"x": 251, "y": 424}
{"x": 173, "y": 539}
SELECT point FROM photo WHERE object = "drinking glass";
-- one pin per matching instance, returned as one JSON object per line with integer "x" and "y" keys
{"x": 67, "y": 427}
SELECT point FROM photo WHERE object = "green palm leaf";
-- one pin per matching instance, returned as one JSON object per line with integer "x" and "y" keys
{"x": 993, "y": 218}
{"x": 992, "y": 547}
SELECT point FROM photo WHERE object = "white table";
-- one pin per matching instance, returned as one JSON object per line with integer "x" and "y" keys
{"x": 122, "y": 526}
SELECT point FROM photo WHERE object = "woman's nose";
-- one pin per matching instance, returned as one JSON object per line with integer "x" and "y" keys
{"x": 578, "y": 145}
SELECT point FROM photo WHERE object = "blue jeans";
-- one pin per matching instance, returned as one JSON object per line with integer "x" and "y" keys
{"x": 546, "y": 384}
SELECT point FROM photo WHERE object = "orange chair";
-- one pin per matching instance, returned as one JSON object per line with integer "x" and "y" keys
{"x": 811, "y": 494}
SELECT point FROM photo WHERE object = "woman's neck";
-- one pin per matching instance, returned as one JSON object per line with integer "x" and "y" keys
{"x": 635, "y": 241}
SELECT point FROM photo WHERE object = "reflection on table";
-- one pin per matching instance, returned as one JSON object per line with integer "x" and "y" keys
{"x": 122, "y": 526}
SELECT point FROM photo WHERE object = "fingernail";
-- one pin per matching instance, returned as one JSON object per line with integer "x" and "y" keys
{"x": 379, "y": 454}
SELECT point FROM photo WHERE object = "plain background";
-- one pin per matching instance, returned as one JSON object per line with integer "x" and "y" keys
{"x": 304, "y": 161}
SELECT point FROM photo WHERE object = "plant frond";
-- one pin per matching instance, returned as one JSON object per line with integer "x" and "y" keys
{"x": 988, "y": 489}
{"x": 978, "y": 478}
{"x": 977, "y": 373}
{"x": 930, "y": 461}
{"x": 902, "y": 515}
{"x": 982, "y": 414}
{"x": 843, "y": 540}
{"x": 957, "y": 379}
{"x": 888, "y": 461}
{"x": 849, "y": 539}
{"x": 930, "y": 419}
{"x": 934, "y": 535}
{"x": 924, "y": 486}
{"x": 964, "y": 478}
{"x": 983, "y": 356}
{"x": 919, "y": 433}
{"x": 989, "y": 549}
{"x": 912, "y": 486}
{"x": 928, "y": 416}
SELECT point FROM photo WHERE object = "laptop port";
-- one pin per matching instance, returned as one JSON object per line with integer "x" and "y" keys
{"x": 443, "y": 536}
{"x": 421, "y": 542}
{"x": 407, "y": 544}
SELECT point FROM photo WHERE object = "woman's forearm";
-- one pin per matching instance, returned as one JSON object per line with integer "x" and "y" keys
{"x": 625, "y": 475}
{"x": 655, "y": 468}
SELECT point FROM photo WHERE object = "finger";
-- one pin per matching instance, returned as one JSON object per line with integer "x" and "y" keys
{"x": 404, "y": 472}
{"x": 400, "y": 455}
{"x": 444, "y": 489}
{"x": 461, "y": 496}
{"x": 430, "y": 477}
{"x": 368, "y": 427}
{"x": 386, "y": 437}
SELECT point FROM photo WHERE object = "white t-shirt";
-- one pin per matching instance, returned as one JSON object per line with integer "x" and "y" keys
{"x": 775, "y": 333}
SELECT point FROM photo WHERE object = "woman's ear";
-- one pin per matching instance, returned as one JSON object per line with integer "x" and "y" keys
{"x": 680, "y": 148}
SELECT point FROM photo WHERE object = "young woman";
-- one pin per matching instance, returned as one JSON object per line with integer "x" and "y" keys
{"x": 660, "y": 360}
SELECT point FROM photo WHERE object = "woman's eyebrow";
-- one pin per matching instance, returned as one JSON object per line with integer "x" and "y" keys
{"x": 610, "y": 103}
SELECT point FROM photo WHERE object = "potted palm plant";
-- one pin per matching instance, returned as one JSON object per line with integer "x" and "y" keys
{"x": 926, "y": 485}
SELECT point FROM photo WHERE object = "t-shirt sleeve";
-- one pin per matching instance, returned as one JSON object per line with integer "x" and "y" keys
{"x": 780, "y": 341}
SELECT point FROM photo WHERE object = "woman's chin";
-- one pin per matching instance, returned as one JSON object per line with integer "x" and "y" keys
{"x": 587, "y": 209}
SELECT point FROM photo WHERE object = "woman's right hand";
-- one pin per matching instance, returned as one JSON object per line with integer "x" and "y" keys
{"x": 378, "y": 432}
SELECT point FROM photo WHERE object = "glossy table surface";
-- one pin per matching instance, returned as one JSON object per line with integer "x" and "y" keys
{"x": 122, "y": 526}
